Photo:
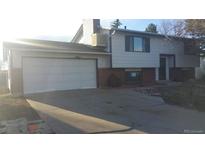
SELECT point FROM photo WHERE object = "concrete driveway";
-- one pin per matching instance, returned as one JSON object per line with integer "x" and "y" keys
{"x": 113, "y": 111}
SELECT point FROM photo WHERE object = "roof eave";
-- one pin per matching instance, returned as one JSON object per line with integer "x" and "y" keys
{"x": 49, "y": 45}
{"x": 61, "y": 51}
{"x": 149, "y": 34}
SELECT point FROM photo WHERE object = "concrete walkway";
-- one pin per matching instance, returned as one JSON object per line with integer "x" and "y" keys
{"x": 113, "y": 111}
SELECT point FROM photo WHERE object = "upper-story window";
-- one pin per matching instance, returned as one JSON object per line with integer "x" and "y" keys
{"x": 137, "y": 44}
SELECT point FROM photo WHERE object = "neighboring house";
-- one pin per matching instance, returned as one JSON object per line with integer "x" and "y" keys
{"x": 93, "y": 55}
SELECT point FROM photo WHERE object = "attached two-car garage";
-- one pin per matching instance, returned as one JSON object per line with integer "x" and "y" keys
{"x": 37, "y": 66}
{"x": 51, "y": 74}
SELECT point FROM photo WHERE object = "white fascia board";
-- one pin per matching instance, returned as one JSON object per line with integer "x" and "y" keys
{"x": 60, "y": 51}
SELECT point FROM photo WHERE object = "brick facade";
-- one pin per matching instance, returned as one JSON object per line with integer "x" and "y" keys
{"x": 104, "y": 73}
{"x": 148, "y": 76}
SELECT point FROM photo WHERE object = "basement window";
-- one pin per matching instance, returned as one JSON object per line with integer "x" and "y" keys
{"x": 133, "y": 75}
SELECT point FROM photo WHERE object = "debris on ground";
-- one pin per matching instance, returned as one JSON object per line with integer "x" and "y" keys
{"x": 150, "y": 91}
{"x": 18, "y": 117}
{"x": 22, "y": 126}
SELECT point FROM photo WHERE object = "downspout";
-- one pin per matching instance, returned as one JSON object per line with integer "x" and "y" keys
{"x": 110, "y": 47}
{"x": 111, "y": 32}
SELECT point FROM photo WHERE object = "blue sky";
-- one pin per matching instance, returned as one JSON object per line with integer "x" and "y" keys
{"x": 58, "y": 29}
{"x": 134, "y": 24}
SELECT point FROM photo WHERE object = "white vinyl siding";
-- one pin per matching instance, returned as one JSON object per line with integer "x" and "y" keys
{"x": 123, "y": 59}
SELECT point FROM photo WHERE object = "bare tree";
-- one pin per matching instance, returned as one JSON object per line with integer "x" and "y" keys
{"x": 165, "y": 27}
{"x": 196, "y": 29}
{"x": 178, "y": 27}
{"x": 173, "y": 27}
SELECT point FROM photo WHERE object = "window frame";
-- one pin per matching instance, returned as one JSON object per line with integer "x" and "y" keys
{"x": 138, "y": 77}
{"x": 129, "y": 44}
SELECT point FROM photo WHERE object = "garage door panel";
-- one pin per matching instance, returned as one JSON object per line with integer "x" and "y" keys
{"x": 87, "y": 84}
{"x": 44, "y": 74}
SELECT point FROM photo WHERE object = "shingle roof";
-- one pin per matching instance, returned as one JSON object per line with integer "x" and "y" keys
{"x": 148, "y": 33}
{"x": 44, "y": 44}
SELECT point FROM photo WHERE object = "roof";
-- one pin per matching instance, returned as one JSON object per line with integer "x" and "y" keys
{"x": 44, "y": 44}
{"x": 148, "y": 33}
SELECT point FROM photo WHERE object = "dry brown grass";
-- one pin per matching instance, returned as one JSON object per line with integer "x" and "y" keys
{"x": 16, "y": 107}
{"x": 190, "y": 94}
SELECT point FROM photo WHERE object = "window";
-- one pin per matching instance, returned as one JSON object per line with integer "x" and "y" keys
{"x": 133, "y": 75}
{"x": 137, "y": 44}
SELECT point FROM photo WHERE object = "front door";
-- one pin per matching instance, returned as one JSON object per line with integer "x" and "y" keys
{"x": 162, "y": 69}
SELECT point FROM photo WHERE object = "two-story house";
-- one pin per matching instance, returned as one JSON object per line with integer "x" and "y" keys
{"x": 141, "y": 56}
{"x": 93, "y": 55}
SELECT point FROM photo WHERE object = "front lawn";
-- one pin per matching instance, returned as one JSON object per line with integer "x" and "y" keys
{"x": 190, "y": 94}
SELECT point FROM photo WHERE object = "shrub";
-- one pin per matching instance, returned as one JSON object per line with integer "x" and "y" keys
{"x": 114, "y": 81}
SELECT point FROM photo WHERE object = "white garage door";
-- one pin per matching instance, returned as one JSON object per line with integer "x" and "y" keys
{"x": 50, "y": 74}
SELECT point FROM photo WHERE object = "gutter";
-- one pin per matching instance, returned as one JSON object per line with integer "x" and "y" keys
{"x": 60, "y": 51}
{"x": 149, "y": 34}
